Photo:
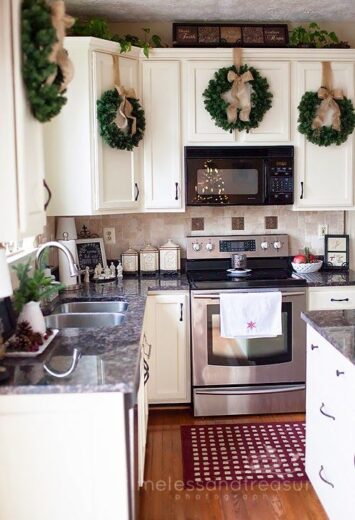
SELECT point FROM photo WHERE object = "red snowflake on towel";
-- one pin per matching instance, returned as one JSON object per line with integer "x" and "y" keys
{"x": 251, "y": 325}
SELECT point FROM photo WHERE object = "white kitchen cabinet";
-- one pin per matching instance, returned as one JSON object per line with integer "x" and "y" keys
{"x": 324, "y": 175}
{"x": 65, "y": 456}
{"x": 88, "y": 177}
{"x": 22, "y": 194}
{"x": 168, "y": 334}
{"x": 275, "y": 126}
{"x": 163, "y": 179}
{"x": 331, "y": 298}
{"x": 330, "y": 431}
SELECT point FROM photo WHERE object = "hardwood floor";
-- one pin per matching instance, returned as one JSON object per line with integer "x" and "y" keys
{"x": 163, "y": 496}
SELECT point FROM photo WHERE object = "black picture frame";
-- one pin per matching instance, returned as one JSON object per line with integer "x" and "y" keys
{"x": 336, "y": 252}
{"x": 221, "y": 35}
{"x": 91, "y": 251}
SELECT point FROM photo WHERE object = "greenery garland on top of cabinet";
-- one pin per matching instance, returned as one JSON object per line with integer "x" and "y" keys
{"x": 46, "y": 66}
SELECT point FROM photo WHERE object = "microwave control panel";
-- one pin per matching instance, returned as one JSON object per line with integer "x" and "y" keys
{"x": 280, "y": 181}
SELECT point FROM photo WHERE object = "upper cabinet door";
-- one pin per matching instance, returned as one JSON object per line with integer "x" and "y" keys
{"x": 275, "y": 126}
{"x": 116, "y": 172}
{"x": 163, "y": 181}
{"x": 29, "y": 146}
{"x": 324, "y": 175}
{"x": 200, "y": 127}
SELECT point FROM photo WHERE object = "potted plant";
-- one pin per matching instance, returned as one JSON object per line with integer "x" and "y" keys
{"x": 31, "y": 290}
{"x": 314, "y": 36}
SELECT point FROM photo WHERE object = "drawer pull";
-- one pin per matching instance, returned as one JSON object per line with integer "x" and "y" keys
{"x": 314, "y": 346}
{"x": 326, "y": 414}
{"x": 339, "y": 373}
{"x": 339, "y": 300}
{"x": 324, "y": 479}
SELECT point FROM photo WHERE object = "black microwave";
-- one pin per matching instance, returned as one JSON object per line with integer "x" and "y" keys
{"x": 239, "y": 175}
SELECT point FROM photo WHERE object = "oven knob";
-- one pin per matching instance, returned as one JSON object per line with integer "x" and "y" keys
{"x": 277, "y": 244}
{"x": 196, "y": 246}
{"x": 209, "y": 246}
{"x": 264, "y": 245}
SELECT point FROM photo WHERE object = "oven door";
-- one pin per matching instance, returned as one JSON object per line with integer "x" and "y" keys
{"x": 231, "y": 181}
{"x": 244, "y": 361}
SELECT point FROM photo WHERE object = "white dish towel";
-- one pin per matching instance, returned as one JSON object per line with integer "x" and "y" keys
{"x": 251, "y": 315}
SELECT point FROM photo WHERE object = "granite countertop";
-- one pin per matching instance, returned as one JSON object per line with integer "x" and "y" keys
{"x": 110, "y": 356}
{"x": 337, "y": 327}
{"x": 328, "y": 278}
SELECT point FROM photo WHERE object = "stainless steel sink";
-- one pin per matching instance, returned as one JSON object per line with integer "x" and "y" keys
{"x": 85, "y": 320}
{"x": 91, "y": 307}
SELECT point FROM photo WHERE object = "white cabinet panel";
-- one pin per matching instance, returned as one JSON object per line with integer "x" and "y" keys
{"x": 275, "y": 126}
{"x": 163, "y": 180}
{"x": 116, "y": 174}
{"x": 324, "y": 174}
{"x": 168, "y": 333}
{"x": 331, "y": 298}
{"x": 200, "y": 125}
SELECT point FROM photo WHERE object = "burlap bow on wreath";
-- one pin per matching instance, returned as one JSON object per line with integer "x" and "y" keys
{"x": 329, "y": 108}
{"x": 125, "y": 109}
{"x": 240, "y": 92}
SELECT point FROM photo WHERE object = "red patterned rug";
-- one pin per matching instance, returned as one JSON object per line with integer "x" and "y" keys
{"x": 243, "y": 453}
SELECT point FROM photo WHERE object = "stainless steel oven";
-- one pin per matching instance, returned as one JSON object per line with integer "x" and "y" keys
{"x": 248, "y": 375}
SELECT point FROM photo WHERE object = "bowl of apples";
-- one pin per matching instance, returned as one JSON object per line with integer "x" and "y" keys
{"x": 306, "y": 263}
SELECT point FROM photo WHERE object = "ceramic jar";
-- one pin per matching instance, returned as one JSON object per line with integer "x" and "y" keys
{"x": 169, "y": 254}
{"x": 149, "y": 259}
{"x": 130, "y": 261}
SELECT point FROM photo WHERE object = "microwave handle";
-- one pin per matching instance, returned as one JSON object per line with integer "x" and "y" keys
{"x": 266, "y": 181}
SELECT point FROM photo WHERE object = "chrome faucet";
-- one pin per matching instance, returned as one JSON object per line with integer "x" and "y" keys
{"x": 73, "y": 268}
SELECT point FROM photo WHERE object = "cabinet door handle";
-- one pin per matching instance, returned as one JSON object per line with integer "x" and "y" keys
{"x": 339, "y": 300}
{"x": 339, "y": 373}
{"x": 176, "y": 191}
{"x": 314, "y": 346}
{"x": 324, "y": 479}
{"x": 181, "y": 311}
{"x": 301, "y": 196}
{"x": 136, "y": 187}
{"x": 326, "y": 414}
{"x": 149, "y": 345}
{"x": 46, "y": 204}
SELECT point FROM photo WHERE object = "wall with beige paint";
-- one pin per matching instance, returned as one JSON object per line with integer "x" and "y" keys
{"x": 136, "y": 230}
{"x": 344, "y": 30}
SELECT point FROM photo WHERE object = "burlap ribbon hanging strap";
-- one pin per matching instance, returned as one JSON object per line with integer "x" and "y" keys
{"x": 328, "y": 108}
{"x": 240, "y": 92}
{"x": 125, "y": 109}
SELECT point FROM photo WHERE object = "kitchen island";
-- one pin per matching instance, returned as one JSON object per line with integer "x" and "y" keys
{"x": 68, "y": 445}
{"x": 330, "y": 410}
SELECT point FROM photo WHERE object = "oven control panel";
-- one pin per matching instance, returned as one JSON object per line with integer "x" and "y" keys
{"x": 254, "y": 246}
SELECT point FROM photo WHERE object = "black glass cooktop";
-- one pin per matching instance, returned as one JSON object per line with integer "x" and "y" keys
{"x": 220, "y": 279}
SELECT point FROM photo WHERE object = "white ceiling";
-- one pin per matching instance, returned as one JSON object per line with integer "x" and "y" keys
{"x": 215, "y": 10}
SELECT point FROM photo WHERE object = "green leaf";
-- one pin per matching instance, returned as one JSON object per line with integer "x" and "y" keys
{"x": 146, "y": 50}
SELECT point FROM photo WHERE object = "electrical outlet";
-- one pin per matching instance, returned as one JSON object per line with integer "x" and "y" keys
{"x": 109, "y": 235}
{"x": 322, "y": 230}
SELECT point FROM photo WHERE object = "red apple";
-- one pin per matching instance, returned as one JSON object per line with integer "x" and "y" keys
{"x": 300, "y": 259}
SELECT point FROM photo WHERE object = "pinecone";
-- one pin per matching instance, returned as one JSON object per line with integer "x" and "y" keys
{"x": 24, "y": 329}
{"x": 25, "y": 340}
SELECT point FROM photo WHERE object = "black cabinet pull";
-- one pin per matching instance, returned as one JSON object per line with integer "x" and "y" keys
{"x": 326, "y": 414}
{"x": 339, "y": 373}
{"x": 181, "y": 311}
{"x": 176, "y": 191}
{"x": 322, "y": 478}
{"x": 301, "y": 196}
{"x": 314, "y": 346}
{"x": 340, "y": 300}
{"x": 137, "y": 191}
{"x": 146, "y": 372}
{"x": 49, "y": 195}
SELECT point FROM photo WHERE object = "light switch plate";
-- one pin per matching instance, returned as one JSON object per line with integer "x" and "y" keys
{"x": 109, "y": 235}
{"x": 322, "y": 230}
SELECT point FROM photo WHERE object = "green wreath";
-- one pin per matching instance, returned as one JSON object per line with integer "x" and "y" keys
{"x": 326, "y": 135}
{"x": 38, "y": 36}
{"x": 260, "y": 99}
{"x": 107, "y": 107}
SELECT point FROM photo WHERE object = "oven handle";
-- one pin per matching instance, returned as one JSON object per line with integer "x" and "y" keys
{"x": 273, "y": 390}
{"x": 216, "y": 297}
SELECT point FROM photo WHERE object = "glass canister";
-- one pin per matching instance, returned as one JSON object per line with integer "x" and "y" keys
{"x": 169, "y": 257}
{"x": 149, "y": 259}
{"x": 130, "y": 261}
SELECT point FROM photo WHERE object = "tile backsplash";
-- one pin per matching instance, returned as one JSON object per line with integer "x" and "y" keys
{"x": 136, "y": 230}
